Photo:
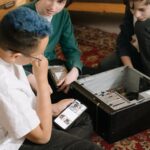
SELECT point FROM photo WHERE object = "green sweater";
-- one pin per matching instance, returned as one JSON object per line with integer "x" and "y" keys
{"x": 62, "y": 33}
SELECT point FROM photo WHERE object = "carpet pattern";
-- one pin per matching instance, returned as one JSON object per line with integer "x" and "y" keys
{"x": 96, "y": 44}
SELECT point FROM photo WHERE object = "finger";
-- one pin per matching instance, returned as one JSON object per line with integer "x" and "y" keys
{"x": 65, "y": 102}
{"x": 60, "y": 82}
{"x": 62, "y": 87}
{"x": 66, "y": 89}
{"x": 50, "y": 90}
{"x": 70, "y": 100}
{"x": 35, "y": 63}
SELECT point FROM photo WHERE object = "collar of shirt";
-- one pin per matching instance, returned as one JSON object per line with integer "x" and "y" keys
{"x": 48, "y": 18}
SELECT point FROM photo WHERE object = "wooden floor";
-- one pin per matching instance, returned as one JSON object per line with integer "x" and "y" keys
{"x": 97, "y": 7}
{"x": 18, "y": 3}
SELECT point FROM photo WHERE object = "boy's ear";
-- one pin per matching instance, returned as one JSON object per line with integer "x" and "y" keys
{"x": 15, "y": 56}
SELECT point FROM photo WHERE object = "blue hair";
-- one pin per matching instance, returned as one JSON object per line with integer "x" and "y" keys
{"x": 22, "y": 29}
{"x": 25, "y": 19}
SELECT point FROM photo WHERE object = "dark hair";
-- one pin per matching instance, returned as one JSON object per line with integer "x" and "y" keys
{"x": 60, "y": 1}
{"x": 22, "y": 29}
{"x": 57, "y": 0}
{"x": 146, "y": 1}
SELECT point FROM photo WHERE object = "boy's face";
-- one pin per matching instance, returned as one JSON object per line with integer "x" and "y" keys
{"x": 140, "y": 10}
{"x": 23, "y": 59}
{"x": 50, "y": 7}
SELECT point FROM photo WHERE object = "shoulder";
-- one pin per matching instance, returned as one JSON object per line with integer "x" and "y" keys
{"x": 7, "y": 76}
{"x": 126, "y": 2}
{"x": 3, "y": 73}
{"x": 62, "y": 17}
{"x": 5, "y": 84}
{"x": 143, "y": 27}
{"x": 63, "y": 13}
{"x": 4, "y": 81}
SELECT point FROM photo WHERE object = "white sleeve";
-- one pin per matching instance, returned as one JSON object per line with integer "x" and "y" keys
{"x": 16, "y": 113}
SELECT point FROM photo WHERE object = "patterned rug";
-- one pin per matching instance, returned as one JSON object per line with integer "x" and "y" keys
{"x": 96, "y": 44}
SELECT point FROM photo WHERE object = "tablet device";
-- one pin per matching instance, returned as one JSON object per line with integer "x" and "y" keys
{"x": 70, "y": 114}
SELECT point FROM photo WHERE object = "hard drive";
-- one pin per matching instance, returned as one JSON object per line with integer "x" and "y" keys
{"x": 56, "y": 73}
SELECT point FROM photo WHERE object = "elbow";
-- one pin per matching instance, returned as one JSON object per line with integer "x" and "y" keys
{"x": 44, "y": 140}
{"x": 40, "y": 139}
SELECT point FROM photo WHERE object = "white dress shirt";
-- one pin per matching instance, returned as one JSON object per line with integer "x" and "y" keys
{"x": 17, "y": 106}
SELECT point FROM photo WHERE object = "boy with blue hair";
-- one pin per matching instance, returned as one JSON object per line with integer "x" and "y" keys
{"x": 26, "y": 119}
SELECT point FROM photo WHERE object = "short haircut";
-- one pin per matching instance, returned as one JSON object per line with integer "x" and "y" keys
{"x": 58, "y": 0}
{"x": 22, "y": 29}
{"x": 146, "y": 1}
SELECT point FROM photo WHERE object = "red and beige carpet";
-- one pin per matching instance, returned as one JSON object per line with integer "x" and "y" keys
{"x": 96, "y": 44}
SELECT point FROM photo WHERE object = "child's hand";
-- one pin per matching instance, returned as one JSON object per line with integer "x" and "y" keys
{"x": 64, "y": 83}
{"x": 40, "y": 68}
{"x": 58, "y": 107}
{"x": 134, "y": 42}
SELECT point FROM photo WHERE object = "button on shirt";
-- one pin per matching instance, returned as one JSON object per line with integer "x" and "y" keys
{"x": 17, "y": 106}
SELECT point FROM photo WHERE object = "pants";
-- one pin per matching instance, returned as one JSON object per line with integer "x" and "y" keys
{"x": 74, "y": 138}
{"x": 61, "y": 140}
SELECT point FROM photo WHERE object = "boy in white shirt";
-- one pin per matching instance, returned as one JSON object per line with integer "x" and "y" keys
{"x": 26, "y": 119}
